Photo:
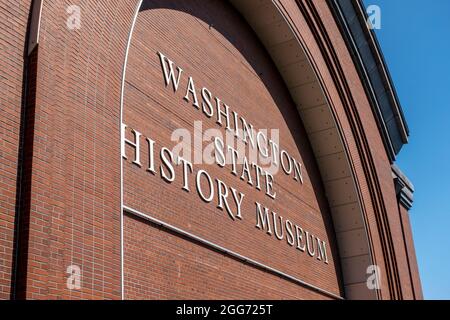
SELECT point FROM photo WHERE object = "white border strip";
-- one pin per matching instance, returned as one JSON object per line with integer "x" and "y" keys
{"x": 35, "y": 26}
{"x": 227, "y": 251}
{"x": 122, "y": 93}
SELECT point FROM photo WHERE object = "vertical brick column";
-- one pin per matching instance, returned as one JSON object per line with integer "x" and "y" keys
{"x": 405, "y": 189}
{"x": 71, "y": 212}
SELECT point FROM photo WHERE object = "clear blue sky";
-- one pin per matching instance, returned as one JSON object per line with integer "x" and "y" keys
{"x": 415, "y": 40}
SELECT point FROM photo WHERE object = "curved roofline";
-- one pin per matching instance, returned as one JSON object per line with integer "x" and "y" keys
{"x": 373, "y": 71}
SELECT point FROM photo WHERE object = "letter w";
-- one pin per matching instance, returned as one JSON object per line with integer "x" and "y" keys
{"x": 169, "y": 75}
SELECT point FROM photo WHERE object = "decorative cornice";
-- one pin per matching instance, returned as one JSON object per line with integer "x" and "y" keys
{"x": 374, "y": 74}
{"x": 403, "y": 187}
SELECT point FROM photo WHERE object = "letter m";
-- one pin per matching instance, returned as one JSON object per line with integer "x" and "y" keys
{"x": 322, "y": 246}
{"x": 169, "y": 72}
{"x": 262, "y": 220}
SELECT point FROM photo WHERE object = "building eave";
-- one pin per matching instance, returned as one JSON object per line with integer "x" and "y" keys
{"x": 369, "y": 61}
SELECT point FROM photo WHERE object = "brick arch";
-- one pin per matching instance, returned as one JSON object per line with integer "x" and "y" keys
{"x": 277, "y": 33}
{"x": 288, "y": 52}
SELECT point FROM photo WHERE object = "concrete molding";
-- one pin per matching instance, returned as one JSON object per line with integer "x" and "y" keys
{"x": 403, "y": 187}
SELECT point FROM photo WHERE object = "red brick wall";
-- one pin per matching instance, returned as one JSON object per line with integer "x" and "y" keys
{"x": 73, "y": 208}
{"x": 13, "y": 26}
{"x": 162, "y": 265}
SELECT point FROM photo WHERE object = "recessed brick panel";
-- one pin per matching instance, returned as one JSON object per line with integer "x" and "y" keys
{"x": 212, "y": 43}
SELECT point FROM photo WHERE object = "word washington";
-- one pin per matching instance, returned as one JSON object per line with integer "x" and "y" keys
{"x": 213, "y": 107}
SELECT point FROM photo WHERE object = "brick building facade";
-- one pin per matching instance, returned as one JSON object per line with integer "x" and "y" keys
{"x": 120, "y": 172}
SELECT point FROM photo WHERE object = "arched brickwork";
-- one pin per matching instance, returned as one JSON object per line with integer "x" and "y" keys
{"x": 70, "y": 212}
